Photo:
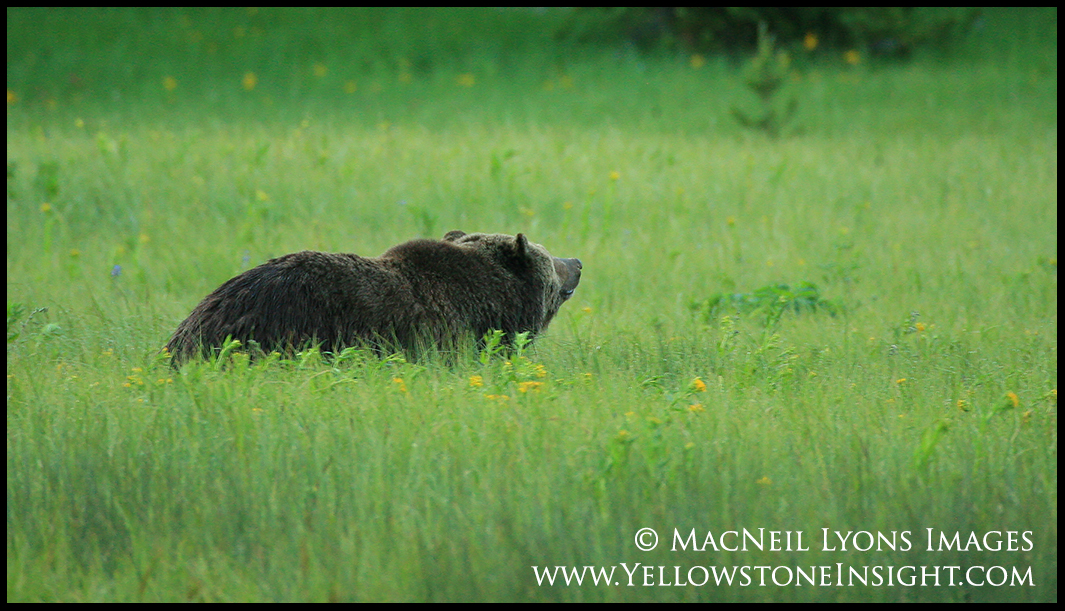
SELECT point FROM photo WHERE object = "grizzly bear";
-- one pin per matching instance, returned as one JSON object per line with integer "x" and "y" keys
{"x": 420, "y": 293}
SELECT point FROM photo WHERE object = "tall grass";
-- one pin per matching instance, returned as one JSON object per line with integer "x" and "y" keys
{"x": 919, "y": 197}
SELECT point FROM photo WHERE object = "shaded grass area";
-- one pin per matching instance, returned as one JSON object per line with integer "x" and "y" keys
{"x": 920, "y": 199}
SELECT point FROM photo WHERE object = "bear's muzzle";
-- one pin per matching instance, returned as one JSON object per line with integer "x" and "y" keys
{"x": 569, "y": 271}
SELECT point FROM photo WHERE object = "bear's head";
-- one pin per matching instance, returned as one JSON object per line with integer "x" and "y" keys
{"x": 549, "y": 278}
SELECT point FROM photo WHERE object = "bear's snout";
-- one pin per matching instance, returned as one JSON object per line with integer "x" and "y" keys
{"x": 569, "y": 271}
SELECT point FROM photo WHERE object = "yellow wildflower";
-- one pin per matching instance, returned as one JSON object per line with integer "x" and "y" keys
{"x": 699, "y": 385}
{"x": 765, "y": 481}
{"x": 476, "y": 381}
{"x": 529, "y": 386}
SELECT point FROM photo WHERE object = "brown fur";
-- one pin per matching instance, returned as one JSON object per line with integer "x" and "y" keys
{"x": 423, "y": 291}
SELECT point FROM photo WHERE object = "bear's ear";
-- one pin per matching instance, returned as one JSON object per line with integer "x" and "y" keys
{"x": 521, "y": 245}
{"x": 451, "y": 236}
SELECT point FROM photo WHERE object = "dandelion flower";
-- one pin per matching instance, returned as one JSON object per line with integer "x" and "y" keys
{"x": 765, "y": 481}
{"x": 615, "y": 175}
{"x": 696, "y": 408}
{"x": 400, "y": 385}
{"x": 476, "y": 381}
{"x": 699, "y": 385}
{"x": 1011, "y": 397}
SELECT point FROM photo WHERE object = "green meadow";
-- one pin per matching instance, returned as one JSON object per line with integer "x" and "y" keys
{"x": 826, "y": 360}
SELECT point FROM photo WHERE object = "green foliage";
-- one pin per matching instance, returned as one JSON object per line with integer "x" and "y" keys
{"x": 769, "y": 302}
{"x": 764, "y": 75}
{"x": 896, "y": 31}
{"x": 927, "y": 188}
